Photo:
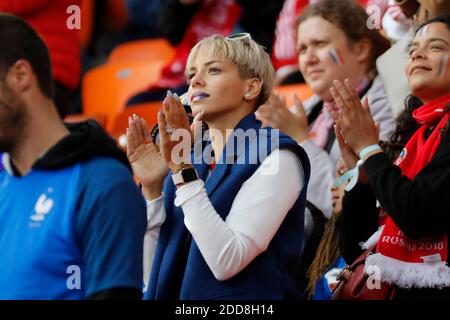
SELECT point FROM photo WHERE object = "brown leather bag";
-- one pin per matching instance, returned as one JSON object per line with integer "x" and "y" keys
{"x": 353, "y": 283}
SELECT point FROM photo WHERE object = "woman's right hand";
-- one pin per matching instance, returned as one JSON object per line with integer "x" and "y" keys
{"x": 275, "y": 113}
{"x": 348, "y": 155}
{"x": 146, "y": 160}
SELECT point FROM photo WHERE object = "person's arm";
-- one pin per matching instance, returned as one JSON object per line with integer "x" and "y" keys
{"x": 255, "y": 216}
{"x": 322, "y": 166}
{"x": 294, "y": 123}
{"x": 110, "y": 228}
{"x": 20, "y": 7}
{"x": 357, "y": 221}
{"x": 322, "y": 177}
{"x": 156, "y": 216}
{"x": 416, "y": 206}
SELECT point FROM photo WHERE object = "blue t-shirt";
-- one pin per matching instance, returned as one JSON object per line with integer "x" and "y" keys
{"x": 70, "y": 233}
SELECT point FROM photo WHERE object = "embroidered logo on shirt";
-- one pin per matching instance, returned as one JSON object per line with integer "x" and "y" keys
{"x": 42, "y": 207}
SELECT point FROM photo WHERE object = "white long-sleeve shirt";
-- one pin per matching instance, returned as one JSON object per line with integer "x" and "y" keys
{"x": 257, "y": 212}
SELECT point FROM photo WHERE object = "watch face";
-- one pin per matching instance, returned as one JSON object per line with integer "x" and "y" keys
{"x": 189, "y": 175}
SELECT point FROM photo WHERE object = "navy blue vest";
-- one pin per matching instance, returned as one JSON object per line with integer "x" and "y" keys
{"x": 179, "y": 270}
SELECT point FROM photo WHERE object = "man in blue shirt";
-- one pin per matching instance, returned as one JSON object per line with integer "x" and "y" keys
{"x": 72, "y": 219}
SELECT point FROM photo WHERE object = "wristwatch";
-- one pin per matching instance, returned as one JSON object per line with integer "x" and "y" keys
{"x": 185, "y": 175}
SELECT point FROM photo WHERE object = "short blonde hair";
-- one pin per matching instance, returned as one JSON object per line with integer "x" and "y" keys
{"x": 250, "y": 57}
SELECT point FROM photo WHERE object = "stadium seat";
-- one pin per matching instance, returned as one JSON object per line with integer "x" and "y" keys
{"x": 143, "y": 50}
{"x": 302, "y": 90}
{"x": 106, "y": 89}
{"x": 148, "y": 111}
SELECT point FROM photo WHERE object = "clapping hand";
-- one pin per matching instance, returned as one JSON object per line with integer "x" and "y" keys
{"x": 355, "y": 127}
{"x": 146, "y": 160}
{"x": 274, "y": 113}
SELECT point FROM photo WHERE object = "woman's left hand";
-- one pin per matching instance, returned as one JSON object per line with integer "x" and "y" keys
{"x": 354, "y": 119}
{"x": 174, "y": 130}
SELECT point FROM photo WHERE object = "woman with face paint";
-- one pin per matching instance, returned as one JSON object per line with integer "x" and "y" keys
{"x": 409, "y": 228}
{"x": 330, "y": 46}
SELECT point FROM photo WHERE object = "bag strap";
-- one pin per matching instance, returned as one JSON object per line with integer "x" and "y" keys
{"x": 363, "y": 256}
{"x": 347, "y": 271}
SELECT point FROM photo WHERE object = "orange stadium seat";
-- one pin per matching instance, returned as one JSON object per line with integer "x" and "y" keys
{"x": 148, "y": 111}
{"x": 146, "y": 50}
{"x": 302, "y": 90}
{"x": 106, "y": 89}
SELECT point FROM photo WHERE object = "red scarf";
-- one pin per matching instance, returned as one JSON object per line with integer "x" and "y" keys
{"x": 393, "y": 243}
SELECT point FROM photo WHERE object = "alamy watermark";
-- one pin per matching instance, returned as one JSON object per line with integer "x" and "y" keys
{"x": 374, "y": 280}
{"x": 73, "y": 21}
{"x": 249, "y": 146}
{"x": 375, "y": 17}
{"x": 374, "y": 11}
{"x": 74, "y": 279}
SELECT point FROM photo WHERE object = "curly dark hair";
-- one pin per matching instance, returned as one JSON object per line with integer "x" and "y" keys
{"x": 405, "y": 128}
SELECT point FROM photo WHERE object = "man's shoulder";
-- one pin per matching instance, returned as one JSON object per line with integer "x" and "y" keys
{"x": 104, "y": 172}
{"x": 102, "y": 165}
{"x": 107, "y": 182}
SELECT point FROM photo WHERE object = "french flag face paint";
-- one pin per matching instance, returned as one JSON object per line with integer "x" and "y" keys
{"x": 443, "y": 62}
{"x": 336, "y": 57}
